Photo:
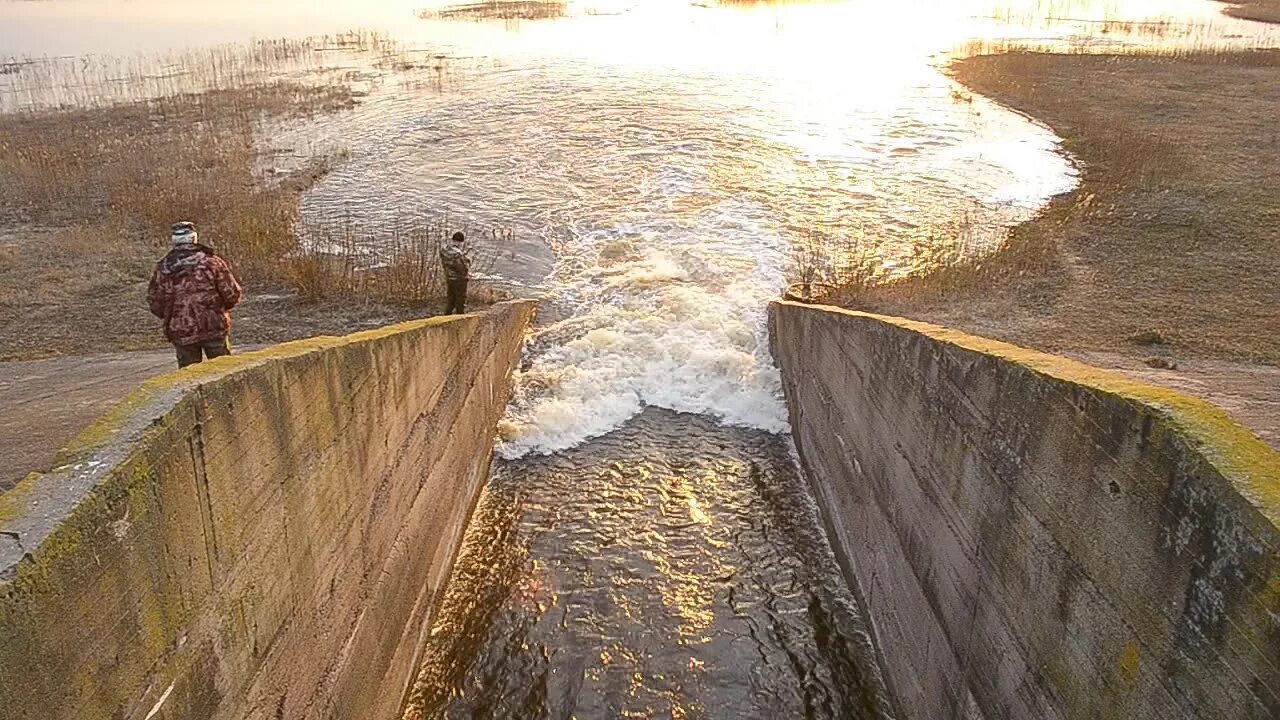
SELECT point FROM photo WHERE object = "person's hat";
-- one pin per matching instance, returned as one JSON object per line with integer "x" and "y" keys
{"x": 459, "y": 237}
{"x": 183, "y": 233}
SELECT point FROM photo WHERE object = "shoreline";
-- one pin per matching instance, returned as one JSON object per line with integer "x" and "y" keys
{"x": 1266, "y": 11}
{"x": 92, "y": 187}
{"x": 1161, "y": 263}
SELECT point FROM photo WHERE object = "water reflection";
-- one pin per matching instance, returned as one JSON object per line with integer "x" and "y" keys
{"x": 673, "y": 568}
{"x": 658, "y": 160}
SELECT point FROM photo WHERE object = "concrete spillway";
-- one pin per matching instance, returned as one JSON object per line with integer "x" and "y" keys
{"x": 264, "y": 536}
{"x": 1034, "y": 538}
{"x": 268, "y": 536}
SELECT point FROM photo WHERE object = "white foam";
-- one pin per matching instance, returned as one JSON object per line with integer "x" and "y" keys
{"x": 672, "y": 317}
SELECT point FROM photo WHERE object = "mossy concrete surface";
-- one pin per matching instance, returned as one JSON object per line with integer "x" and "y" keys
{"x": 1035, "y": 538}
{"x": 260, "y": 536}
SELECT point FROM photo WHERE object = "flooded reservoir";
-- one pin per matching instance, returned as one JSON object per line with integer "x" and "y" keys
{"x": 646, "y": 545}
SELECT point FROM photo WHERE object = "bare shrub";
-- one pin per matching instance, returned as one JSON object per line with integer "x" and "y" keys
{"x": 826, "y": 264}
{"x": 396, "y": 260}
{"x": 811, "y": 267}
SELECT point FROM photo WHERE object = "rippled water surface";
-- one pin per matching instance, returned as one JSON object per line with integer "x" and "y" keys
{"x": 645, "y": 548}
{"x": 672, "y": 568}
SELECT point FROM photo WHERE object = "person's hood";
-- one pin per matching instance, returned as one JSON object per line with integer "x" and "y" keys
{"x": 183, "y": 259}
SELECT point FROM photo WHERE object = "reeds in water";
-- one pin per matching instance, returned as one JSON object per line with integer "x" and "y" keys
{"x": 121, "y": 148}
{"x": 393, "y": 260}
{"x": 92, "y": 81}
{"x": 500, "y": 10}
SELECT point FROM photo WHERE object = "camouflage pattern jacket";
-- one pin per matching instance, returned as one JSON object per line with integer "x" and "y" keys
{"x": 192, "y": 290}
{"x": 457, "y": 266}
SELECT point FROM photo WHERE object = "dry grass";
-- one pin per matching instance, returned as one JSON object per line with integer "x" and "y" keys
{"x": 1260, "y": 10}
{"x": 96, "y": 81}
{"x": 128, "y": 171}
{"x": 1152, "y": 40}
{"x": 1174, "y": 231}
{"x": 500, "y": 10}
{"x": 87, "y": 194}
{"x": 396, "y": 261}
{"x": 845, "y": 266}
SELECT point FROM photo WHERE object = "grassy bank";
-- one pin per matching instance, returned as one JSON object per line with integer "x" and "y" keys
{"x": 88, "y": 191}
{"x": 1171, "y": 244}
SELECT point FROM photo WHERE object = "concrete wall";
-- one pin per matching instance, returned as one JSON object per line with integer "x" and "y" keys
{"x": 1034, "y": 538}
{"x": 262, "y": 536}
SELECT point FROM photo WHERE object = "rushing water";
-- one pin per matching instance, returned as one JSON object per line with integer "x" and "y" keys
{"x": 672, "y": 568}
{"x": 645, "y": 548}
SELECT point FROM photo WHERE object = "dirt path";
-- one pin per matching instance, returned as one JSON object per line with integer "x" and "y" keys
{"x": 1249, "y": 393}
{"x": 44, "y": 403}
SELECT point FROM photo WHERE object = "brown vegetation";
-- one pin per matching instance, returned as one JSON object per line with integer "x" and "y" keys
{"x": 1174, "y": 232}
{"x": 96, "y": 81}
{"x": 87, "y": 194}
{"x": 396, "y": 262}
{"x": 500, "y": 10}
{"x": 1261, "y": 10}
{"x": 136, "y": 167}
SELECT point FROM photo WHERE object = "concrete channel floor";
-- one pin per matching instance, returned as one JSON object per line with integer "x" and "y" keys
{"x": 44, "y": 403}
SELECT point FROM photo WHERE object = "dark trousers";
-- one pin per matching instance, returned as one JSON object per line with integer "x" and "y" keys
{"x": 456, "y": 303}
{"x": 192, "y": 354}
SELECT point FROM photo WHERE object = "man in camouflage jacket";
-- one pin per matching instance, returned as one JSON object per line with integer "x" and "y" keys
{"x": 192, "y": 290}
{"x": 457, "y": 269}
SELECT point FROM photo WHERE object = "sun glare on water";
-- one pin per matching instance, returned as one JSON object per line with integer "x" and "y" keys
{"x": 672, "y": 155}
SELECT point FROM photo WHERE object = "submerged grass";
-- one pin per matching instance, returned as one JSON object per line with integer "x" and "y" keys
{"x": 95, "y": 81}
{"x": 500, "y": 10}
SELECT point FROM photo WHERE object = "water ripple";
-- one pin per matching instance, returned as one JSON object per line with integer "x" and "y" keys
{"x": 672, "y": 568}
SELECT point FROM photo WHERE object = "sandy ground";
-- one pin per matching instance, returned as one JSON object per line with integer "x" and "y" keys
{"x": 1260, "y": 10}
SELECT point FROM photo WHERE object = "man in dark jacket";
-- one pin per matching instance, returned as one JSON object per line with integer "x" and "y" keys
{"x": 457, "y": 268}
{"x": 193, "y": 291}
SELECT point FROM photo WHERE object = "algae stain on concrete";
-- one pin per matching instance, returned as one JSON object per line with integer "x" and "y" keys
{"x": 1250, "y": 464}
{"x": 1130, "y": 664}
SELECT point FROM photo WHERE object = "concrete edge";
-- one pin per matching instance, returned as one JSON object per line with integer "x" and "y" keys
{"x": 1251, "y": 465}
{"x": 32, "y": 511}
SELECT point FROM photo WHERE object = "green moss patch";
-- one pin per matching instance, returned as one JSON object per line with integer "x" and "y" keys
{"x": 1251, "y": 465}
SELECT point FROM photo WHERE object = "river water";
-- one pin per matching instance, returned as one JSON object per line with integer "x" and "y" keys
{"x": 672, "y": 568}
{"x": 646, "y": 547}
